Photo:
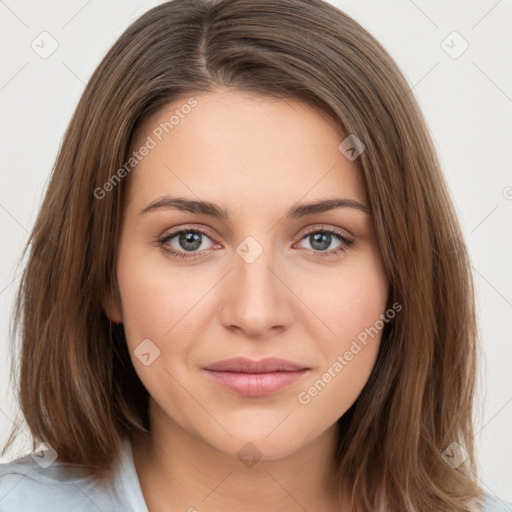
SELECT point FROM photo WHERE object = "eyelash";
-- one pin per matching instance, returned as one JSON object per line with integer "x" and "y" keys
{"x": 346, "y": 242}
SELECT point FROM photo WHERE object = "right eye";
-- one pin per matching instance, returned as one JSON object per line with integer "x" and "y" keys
{"x": 188, "y": 240}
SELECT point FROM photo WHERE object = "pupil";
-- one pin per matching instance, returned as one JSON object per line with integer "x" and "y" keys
{"x": 190, "y": 241}
{"x": 321, "y": 240}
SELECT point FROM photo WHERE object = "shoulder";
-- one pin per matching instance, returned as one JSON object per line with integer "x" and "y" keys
{"x": 28, "y": 485}
{"x": 495, "y": 504}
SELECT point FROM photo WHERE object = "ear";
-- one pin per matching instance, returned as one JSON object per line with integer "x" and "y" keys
{"x": 112, "y": 307}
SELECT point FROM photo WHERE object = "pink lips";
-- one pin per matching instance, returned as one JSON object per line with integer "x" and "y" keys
{"x": 255, "y": 378}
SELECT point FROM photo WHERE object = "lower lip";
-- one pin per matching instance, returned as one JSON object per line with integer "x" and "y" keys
{"x": 256, "y": 384}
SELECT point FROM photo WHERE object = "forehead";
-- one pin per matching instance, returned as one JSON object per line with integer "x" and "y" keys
{"x": 233, "y": 145}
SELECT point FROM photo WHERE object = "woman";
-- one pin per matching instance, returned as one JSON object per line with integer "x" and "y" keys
{"x": 247, "y": 286}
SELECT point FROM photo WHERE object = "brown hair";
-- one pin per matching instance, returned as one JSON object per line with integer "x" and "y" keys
{"x": 78, "y": 390}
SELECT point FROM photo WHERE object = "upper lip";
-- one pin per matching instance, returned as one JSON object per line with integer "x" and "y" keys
{"x": 244, "y": 365}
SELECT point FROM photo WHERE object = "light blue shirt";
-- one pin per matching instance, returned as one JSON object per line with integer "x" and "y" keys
{"x": 27, "y": 486}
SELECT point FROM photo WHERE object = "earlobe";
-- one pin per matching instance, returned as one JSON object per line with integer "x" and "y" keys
{"x": 113, "y": 320}
{"x": 111, "y": 309}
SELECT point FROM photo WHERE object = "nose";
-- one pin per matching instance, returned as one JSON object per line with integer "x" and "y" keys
{"x": 257, "y": 298}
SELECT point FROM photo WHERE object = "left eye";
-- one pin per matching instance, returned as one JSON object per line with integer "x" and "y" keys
{"x": 320, "y": 239}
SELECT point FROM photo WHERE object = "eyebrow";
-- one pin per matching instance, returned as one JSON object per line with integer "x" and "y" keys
{"x": 296, "y": 211}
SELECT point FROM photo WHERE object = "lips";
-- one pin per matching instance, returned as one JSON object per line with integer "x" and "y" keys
{"x": 244, "y": 365}
{"x": 255, "y": 378}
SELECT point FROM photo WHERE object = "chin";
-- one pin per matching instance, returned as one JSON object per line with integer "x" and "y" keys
{"x": 258, "y": 444}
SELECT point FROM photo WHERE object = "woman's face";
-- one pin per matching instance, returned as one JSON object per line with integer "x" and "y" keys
{"x": 256, "y": 283}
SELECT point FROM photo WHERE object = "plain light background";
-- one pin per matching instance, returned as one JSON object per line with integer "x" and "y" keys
{"x": 465, "y": 94}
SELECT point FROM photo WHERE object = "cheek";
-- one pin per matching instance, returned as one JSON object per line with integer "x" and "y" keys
{"x": 351, "y": 306}
{"x": 156, "y": 297}
{"x": 164, "y": 304}
{"x": 336, "y": 387}
{"x": 157, "y": 313}
{"x": 349, "y": 300}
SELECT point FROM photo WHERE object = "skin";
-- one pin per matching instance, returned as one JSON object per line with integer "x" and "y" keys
{"x": 254, "y": 156}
